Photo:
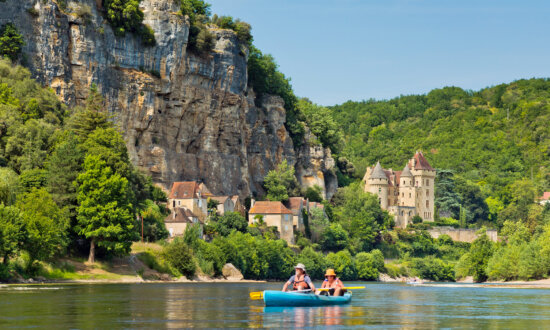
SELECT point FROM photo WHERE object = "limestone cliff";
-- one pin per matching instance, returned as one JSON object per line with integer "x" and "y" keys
{"x": 184, "y": 117}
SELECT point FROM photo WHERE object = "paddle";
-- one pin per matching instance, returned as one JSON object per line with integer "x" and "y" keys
{"x": 346, "y": 288}
{"x": 260, "y": 294}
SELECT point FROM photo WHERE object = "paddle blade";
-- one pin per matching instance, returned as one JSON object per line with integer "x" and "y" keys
{"x": 256, "y": 295}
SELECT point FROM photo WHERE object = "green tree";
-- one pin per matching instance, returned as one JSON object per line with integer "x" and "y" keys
{"x": 361, "y": 215}
{"x": 12, "y": 231}
{"x": 231, "y": 221}
{"x": 366, "y": 267}
{"x": 46, "y": 225}
{"x": 334, "y": 238}
{"x": 154, "y": 228}
{"x": 11, "y": 41}
{"x": 322, "y": 125}
{"x": 104, "y": 211}
{"x": 314, "y": 194}
{"x": 447, "y": 200}
{"x": 343, "y": 264}
{"x": 280, "y": 182}
{"x": 314, "y": 261}
{"x": 63, "y": 167}
{"x": 9, "y": 186}
{"x": 28, "y": 146}
{"x": 180, "y": 257}
{"x": 35, "y": 178}
{"x": 480, "y": 253}
{"x": 86, "y": 120}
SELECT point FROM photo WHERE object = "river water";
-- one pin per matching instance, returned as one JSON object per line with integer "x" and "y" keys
{"x": 222, "y": 305}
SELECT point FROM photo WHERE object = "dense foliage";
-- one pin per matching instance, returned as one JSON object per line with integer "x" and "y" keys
{"x": 65, "y": 177}
{"x": 488, "y": 142}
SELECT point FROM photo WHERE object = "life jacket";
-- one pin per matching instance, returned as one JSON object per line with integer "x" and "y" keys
{"x": 297, "y": 282}
{"x": 336, "y": 282}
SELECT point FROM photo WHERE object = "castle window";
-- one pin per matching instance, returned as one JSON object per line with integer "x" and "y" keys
{"x": 427, "y": 203}
{"x": 410, "y": 213}
{"x": 380, "y": 201}
{"x": 410, "y": 195}
{"x": 427, "y": 192}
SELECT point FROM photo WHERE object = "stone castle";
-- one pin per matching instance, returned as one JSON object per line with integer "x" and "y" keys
{"x": 404, "y": 193}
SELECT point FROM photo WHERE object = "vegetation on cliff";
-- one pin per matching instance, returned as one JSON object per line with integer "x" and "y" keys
{"x": 65, "y": 178}
{"x": 126, "y": 16}
{"x": 10, "y": 42}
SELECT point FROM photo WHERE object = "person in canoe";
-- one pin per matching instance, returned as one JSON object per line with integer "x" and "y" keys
{"x": 332, "y": 283}
{"x": 300, "y": 280}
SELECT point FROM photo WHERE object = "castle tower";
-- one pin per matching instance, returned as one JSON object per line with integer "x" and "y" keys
{"x": 377, "y": 183}
{"x": 407, "y": 191}
{"x": 424, "y": 182}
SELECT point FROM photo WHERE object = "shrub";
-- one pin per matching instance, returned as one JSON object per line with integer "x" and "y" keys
{"x": 416, "y": 219}
{"x": 180, "y": 257}
{"x": 147, "y": 38}
{"x": 432, "y": 269}
{"x": 10, "y": 42}
{"x": 366, "y": 268}
{"x": 315, "y": 263}
{"x": 334, "y": 238}
{"x": 343, "y": 264}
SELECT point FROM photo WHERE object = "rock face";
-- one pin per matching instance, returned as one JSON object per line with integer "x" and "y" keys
{"x": 231, "y": 272}
{"x": 183, "y": 116}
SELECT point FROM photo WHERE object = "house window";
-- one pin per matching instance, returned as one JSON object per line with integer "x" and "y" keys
{"x": 379, "y": 190}
{"x": 286, "y": 227}
{"x": 200, "y": 202}
{"x": 173, "y": 203}
{"x": 179, "y": 202}
{"x": 380, "y": 201}
{"x": 287, "y": 217}
{"x": 410, "y": 195}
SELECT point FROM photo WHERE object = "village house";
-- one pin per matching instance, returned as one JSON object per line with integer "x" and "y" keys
{"x": 225, "y": 204}
{"x": 298, "y": 205}
{"x": 404, "y": 193}
{"x": 178, "y": 220}
{"x": 192, "y": 196}
{"x": 273, "y": 214}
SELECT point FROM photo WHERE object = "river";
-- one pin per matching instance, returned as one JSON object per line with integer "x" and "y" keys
{"x": 221, "y": 305}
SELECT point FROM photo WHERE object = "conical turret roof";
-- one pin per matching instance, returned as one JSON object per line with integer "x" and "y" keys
{"x": 378, "y": 172}
{"x": 406, "y": 172}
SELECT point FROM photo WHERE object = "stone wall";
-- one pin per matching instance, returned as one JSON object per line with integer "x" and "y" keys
{"x": 461, "y": 235}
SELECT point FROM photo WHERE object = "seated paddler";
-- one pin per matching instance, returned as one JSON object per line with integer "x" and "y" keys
{"x": 332, "y": 283}
{"x": 300, "y": 280}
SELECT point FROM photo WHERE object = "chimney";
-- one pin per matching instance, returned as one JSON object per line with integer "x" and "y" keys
{"x": 252, "y": 201}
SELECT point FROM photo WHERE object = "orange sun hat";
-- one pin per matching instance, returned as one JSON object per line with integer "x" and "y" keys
{"x": 330, "y": 272}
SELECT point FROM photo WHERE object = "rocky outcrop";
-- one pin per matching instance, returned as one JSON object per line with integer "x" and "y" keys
{"x": 231, "y": 272}
{"x": 184, "y": 116}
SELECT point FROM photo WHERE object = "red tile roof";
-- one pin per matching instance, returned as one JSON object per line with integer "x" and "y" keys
{"x": 294, "y": 204}
{"x": 419, "y": 162}
{"x": 267, "y": 207}
{"x": 219, "y": 199}
{"x": 181, "y": 214}
{"x": 545, "y": 196}
{"x": 188, "y": 189}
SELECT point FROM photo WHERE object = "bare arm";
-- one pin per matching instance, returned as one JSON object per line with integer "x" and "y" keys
{"x": 286, "y": 285}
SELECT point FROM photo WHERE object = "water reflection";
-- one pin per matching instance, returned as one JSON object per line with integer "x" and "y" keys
{"x": 218, "y": 305}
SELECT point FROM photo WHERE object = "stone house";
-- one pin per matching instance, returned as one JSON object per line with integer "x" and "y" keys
{"x": 404, "y": 193}
{"x": 225, "y": 204}
{"x": 191, "y": 195}
{"x": 178, "y": 220}
{"x": 297, "y": 205}
{"x": 274, "y": 214}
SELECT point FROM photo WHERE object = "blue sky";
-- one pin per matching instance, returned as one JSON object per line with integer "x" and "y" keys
{"x": 342, "y": 50}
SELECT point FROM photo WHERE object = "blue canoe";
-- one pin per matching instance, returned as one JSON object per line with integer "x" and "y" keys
{"x": 280, "y": 298}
